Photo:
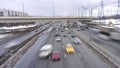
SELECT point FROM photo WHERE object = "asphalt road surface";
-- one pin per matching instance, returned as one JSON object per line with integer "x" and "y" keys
{"x": 83, "y": 57}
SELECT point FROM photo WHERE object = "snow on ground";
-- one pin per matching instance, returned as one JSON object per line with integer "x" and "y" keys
{"x": 18, "y": 27}
{"x": 3, "y": 35}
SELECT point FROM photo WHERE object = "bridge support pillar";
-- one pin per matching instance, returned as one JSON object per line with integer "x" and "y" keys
{"x": 68, "y": 24}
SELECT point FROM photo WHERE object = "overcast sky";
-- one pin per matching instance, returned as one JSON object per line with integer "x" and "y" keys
{"x": 61, "y": 7}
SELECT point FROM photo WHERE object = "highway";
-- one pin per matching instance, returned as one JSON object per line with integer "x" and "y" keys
{"x": 82, "y": 58}
{"x": 60, "y": 34}
{"x": 94, "y": 34}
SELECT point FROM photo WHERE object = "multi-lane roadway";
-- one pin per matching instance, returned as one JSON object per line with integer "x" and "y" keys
{"x": 83, "y": 57}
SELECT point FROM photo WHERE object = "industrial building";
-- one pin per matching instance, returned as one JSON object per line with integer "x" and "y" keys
{"x": 4, "y": 12}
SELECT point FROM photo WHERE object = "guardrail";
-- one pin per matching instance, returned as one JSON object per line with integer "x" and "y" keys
{"x": 111, "y": 56}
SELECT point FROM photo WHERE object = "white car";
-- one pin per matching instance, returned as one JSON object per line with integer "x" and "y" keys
{"x": 58, "y": 39}
{"x": 77, "y": 40}
{"x": 46, "y": 50}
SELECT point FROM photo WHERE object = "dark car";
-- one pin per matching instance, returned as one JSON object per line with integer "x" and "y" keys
{"x": 62, "y": 31}
{"x": 73, "y": 36}
{"x": 78, "y": 30}
{"x": 69, "y": 33}
{"x": 56, "y": 35}
{"x": 64, "y": 36}
{"x": 55, "y": 56}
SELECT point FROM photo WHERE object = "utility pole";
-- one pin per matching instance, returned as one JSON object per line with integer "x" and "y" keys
{"x": 102, "y": 9}
{"x": 118, "y": 8}
{"x": 22, "y": 7}
{"x": 91, "y": 12}
{"x": 53, "y": 10}
{"x": 84, "y": 10}
{"x": 82, "y": 13}
{"x": 78, "y": 12}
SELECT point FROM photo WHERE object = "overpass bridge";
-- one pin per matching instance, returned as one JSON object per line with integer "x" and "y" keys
{"x": 39, "y": 19}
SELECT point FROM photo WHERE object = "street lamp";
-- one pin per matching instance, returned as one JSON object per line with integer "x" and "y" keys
{"x": 78, "y": 11}
{"x": 84, "y": 14}
{"x": 22, "y": 7}
{"x": 53, "y": 10}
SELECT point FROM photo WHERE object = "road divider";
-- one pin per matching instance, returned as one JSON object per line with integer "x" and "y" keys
{"x": 112, "y": 57}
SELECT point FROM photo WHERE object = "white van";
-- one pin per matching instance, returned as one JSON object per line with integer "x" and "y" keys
{"x": 46, "y": 50}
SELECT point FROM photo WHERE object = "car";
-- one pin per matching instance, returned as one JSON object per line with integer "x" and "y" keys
{"x": 77, "y": 41}
{"x": 73, "y": 36}
{"x": 55, "y": 55}
{"x": 64, "y": 36}
{"x": 78, "y": 30}
{"x": 69, "y": 32}
{"x": 56, "y": 35}
{"x": 57, "y": 29}
{"x": 69, "y": 49}
{"x": 45, "y": 51}
{"x": 62, "y": 31}
{"x": 58, "y": 39}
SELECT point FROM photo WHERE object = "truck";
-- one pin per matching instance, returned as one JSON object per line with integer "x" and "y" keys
{"x": 45, "y": 51}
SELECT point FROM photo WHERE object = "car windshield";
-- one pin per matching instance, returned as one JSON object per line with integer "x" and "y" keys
{"x": 44, "y": 51}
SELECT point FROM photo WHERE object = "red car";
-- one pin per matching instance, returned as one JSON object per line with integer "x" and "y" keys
{"x": 55, "y": 55}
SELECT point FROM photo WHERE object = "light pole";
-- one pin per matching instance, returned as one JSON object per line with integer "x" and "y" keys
{"x": 91, "y": 12}
{"x": 78, "y": 11}
{"x": 102, "y": 9}
{"x": 22, "y": 7}
{"x": 53, "y": 10}
{"x": 84, "y": 12}
{"x": 118, "y": 8}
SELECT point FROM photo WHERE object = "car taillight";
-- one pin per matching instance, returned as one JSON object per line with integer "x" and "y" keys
{"x": 53, "y": 57}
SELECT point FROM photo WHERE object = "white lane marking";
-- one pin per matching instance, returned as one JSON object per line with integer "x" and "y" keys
{"x": 79, "y": 55}
{"x": 65, "y": 55}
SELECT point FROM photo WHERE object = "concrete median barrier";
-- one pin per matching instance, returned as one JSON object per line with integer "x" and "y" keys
{"x": 111, "y": 56}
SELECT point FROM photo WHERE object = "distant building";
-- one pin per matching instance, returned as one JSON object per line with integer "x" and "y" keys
{"x": 14, "y": 26}
{"x": 11, "y": 13}
{"x": 4, "y": 12}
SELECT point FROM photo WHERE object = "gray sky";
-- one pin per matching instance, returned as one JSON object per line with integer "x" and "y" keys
{"x": 45, "y": 7}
